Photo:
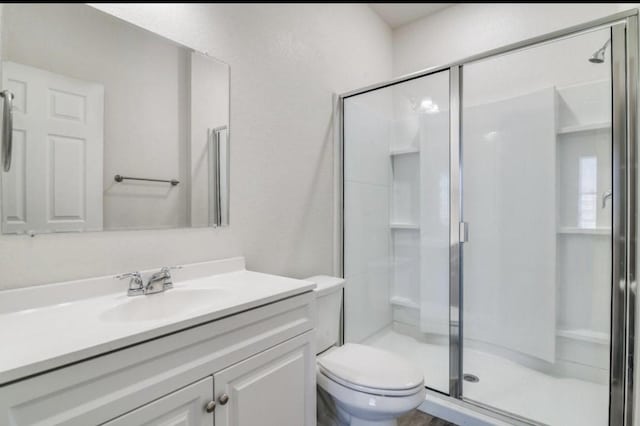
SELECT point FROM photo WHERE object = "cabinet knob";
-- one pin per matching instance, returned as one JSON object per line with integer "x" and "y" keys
{"x": 223, "y": 399}
{"x": 210, "y": 407}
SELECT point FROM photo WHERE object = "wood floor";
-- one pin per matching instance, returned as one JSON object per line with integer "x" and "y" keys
{"x": 418, "y": 418}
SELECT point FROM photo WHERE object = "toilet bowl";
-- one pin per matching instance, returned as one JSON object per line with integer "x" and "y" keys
{"x": 369, "y": 386}
{"x": 365, "y": 386}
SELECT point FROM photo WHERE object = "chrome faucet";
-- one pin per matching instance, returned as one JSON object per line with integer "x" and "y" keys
{"x": 136, "y": 285}
{"x": 158, "y": 282}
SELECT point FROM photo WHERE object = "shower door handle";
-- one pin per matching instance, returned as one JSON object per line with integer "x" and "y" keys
{"x": 7, "y": 129}
{"x": 464, "y": 232}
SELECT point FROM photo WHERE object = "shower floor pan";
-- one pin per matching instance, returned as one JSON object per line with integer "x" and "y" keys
{"x": 504, "y": 384}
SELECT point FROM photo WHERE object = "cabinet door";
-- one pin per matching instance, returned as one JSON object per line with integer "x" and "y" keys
{"x": 273, "y": 388}
{"x": 185, "y": 407}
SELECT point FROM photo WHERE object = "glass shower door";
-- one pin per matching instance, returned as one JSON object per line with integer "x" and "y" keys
{"x": 537, "y": 187}
{"x": 396, "y": 229}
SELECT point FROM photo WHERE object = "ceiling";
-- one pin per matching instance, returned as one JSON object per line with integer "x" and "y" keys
{"x": 397, "y": 14}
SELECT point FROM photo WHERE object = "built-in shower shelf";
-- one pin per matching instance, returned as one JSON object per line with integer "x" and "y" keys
{"x": 584, "y": 335}
{"x": 404, "y": 226}
{"x": 404, "y": 301}
{"x": 584, "y": 128}
{"x": 406, "y": 151}
{"x": 604, "y": 231}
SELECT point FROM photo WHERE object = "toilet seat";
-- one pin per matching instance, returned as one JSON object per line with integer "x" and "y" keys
{"x": 371, "y": 370}
{"x": 371, "y": 391}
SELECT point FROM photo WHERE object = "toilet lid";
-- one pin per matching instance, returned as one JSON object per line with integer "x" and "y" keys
{"x": 370, "y": 367}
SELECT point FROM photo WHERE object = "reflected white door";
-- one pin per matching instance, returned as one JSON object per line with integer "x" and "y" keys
{"x": 55, "y": 181}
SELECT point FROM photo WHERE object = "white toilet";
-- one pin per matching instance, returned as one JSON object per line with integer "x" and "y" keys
{"x": 367, "y": 386}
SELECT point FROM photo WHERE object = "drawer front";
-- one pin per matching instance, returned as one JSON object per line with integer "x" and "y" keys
{"x": 184, "y": 407}
{"x": 97, "y": 390}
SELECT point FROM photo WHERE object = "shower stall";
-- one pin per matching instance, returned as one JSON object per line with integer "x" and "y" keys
{"x": 489, "y": 224}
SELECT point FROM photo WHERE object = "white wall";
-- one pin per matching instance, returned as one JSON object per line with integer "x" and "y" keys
{"x": 145, "y": 109}
{"x": 286, "y": 61}
{"x": 509, "y": 198}
{"x": 466, "y": 29}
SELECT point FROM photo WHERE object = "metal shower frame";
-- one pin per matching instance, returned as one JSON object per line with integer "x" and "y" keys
{"x": 624, "y": 54}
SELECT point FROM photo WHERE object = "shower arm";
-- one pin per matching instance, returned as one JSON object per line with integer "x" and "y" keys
{"x": 605, "y": 196}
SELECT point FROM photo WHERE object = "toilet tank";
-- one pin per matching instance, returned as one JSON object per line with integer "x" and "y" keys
{"x": 328, "y": 304}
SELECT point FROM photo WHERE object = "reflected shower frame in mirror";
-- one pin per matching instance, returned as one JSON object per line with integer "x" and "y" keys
{"x": 108, "y": 126}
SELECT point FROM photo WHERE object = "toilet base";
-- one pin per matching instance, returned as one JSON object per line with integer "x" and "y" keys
{"x": 362, "y": 422}
{"x": 354, "y": 421}
{"x": 331, "y": 413}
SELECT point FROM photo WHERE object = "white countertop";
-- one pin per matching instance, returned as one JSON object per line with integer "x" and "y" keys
{"x": 46, "y": 336}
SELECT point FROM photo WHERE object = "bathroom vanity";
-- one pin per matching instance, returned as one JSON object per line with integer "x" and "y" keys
{"x": 225, "y": 346}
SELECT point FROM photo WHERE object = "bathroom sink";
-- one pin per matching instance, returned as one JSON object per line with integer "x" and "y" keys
{"x": 166, "y": 304}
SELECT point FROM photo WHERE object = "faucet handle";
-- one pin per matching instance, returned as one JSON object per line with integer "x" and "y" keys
{"x": 134, "y": 274}
{"x": 168, "y": 280}
{"x": 170, "y": 268}
{"x": 136, "y": 285}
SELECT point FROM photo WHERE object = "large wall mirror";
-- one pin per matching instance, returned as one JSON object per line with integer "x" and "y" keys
{"x": 107, "y": 126}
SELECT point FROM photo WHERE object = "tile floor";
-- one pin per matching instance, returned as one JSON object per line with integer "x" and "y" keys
{"x": 418, "y": 418}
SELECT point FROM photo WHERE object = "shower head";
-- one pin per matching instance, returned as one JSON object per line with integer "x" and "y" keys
{"x": 598, "y": 55}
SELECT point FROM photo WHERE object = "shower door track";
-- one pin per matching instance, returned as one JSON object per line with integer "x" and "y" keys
{"x": 624, "y": 36}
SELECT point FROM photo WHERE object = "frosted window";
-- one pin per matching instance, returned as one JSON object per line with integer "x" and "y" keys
{"x": 588, "y": 197}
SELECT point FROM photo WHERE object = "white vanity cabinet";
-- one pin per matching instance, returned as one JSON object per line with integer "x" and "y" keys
{"x": 258, "y": 366}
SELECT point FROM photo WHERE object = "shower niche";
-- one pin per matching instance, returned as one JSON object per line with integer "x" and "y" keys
{"x": 583, "y": 193}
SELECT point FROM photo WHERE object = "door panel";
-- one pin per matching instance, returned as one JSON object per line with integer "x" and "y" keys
{"x": 14, "y": 185}
{"x": 55, "y": 183}
{"x": 273, "y": 388}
